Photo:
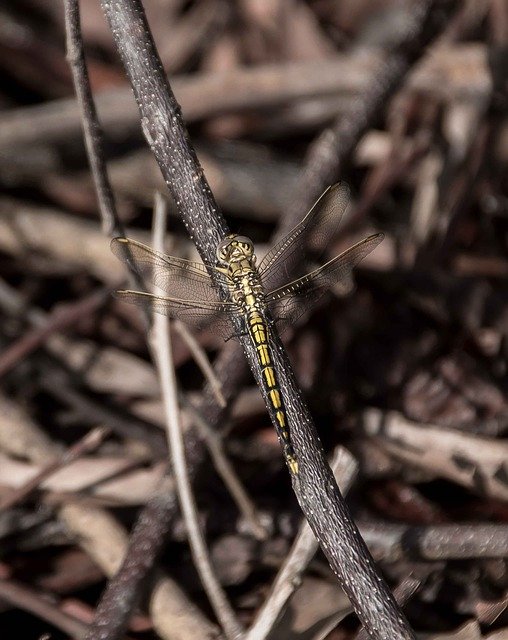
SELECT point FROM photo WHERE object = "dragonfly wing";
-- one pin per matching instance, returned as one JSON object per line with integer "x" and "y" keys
{"x": 180, "y": 278}
{"x": 289, "y": 302}
{"x": 289, "y": 257}
{"x": 196, "y": 314}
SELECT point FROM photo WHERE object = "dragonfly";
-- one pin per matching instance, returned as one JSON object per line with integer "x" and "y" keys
{"x": 257, "y": 298}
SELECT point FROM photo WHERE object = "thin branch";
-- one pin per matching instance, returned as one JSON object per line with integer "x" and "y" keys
{"x": 224, "y": 468}
{"x": 92, "y": 131}
{"x": 434, "y": 543}
{"x": 162, "y": 348}
{"x": 201, "y": 359}
{"x": 145, "y": 542}
{"x": 105, "y": 541}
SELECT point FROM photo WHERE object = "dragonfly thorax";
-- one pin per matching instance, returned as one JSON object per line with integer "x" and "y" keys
{"x": 236, "y": 260}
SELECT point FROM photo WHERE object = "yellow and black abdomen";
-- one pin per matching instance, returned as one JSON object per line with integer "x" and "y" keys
{"x": 258, "y": 331}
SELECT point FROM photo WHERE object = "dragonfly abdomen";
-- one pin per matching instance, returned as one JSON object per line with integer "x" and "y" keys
{"x": 258, "y": 331}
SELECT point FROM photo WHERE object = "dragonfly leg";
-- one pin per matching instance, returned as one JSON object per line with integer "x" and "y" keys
{"x": 236, "y": 335}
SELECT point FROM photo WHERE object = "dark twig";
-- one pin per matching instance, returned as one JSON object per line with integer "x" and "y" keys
{"x": 123, "y": 591}
{"x": 315, "y": 485}
{"x": 155, "y": 522}
{"x": 328, "y": 154}
{"x": 92, "y": 131}
{"x": 58, "y": 321}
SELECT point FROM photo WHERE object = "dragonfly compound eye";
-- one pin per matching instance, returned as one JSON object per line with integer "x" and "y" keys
{"x": 243, "y": 245}
{"x": 224, "y": 250}
{"x": 233, "y": 248}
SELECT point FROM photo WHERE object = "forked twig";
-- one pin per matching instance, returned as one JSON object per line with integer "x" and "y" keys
{"x": 214, "y": 444}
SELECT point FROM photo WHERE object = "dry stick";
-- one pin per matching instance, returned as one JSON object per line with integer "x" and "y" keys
{"x": 104, "y": 540}
{"x": 201, "y": 359}
{"x": 162, "y": 348}
{"x": 92, "y": 131}
{"x": 434, "y": 543}
{"x": 344, "y": 467}
{"x": 88, "y": 443}
{"x": 314, "y": 486}
{"x": 123, "y": 591}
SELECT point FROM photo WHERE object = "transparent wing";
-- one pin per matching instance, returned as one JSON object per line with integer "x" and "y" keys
{"x": 290, "y": 257}
{"x": 289, "y": 302}
{"x": 196, "y": 314}
{"x": 180, "y": 278}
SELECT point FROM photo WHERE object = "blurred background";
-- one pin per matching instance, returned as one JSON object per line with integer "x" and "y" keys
{"x": 408, "y": 371}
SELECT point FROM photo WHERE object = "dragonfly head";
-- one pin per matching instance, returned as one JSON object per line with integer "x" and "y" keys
{"x": 235, "y": 249}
